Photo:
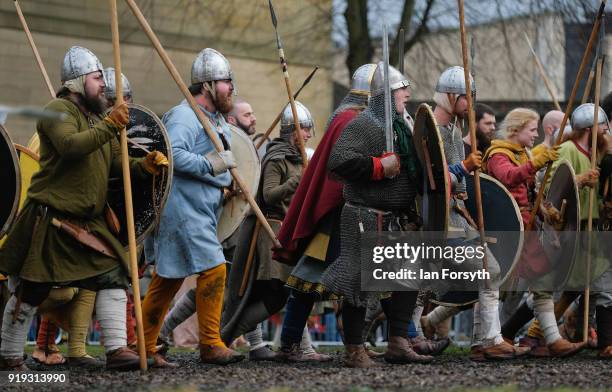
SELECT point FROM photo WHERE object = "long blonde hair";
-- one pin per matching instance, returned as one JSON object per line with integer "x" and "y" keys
{"x": 516, "y": 120}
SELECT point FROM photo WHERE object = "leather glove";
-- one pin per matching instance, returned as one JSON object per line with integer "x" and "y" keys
{"x": 552, "y": 216}
{"x": 589, "y": 178}
{"x": 473, "y": 161}
{"x": 153, "y": 161}
{"x": 119, "y": 116}
{"x": 221, "y": 161}
{"x": 547, "y": 155}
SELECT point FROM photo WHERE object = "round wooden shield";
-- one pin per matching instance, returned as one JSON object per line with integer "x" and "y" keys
{"x": 561, "y": 245}
{"x": 434, "y": 206}
{"x": 11, "y": 181}
{"x": 502, "y": 216}
{"x": 148, "y": 197}
{"x": 249, "y": 167}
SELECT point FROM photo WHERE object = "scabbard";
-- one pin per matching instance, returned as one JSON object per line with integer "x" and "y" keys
{"x": 84, "y": 237}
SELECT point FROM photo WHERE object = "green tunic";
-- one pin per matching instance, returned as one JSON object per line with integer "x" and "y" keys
{"x": 77, "y": 156}
{"x": 581, "y": 163}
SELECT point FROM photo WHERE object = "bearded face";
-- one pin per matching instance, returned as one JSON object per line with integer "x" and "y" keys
{"x": 94, "y": 99}
{"x": 223, "y": 91}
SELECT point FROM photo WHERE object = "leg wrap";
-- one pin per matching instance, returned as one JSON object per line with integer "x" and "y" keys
{"x": 14, "y": 334}
{"x": 255, "y": 338}
{"x": 490, "y": 328}
{"x": 110, "y": 312}
{"x": 184, "y": 307}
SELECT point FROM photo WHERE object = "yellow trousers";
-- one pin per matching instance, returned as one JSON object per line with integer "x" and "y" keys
{"x": 72, "y": 312}
{"x": 210, "y": 287}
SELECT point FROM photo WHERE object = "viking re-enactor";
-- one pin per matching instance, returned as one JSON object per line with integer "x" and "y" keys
{"x": 186, "y": 242}
{"x": 379, "y": 191}
{"x": 77, "y": 156}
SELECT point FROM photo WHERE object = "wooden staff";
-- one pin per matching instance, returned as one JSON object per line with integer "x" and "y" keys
{"x": 283, "y": 63}
{"x": 587, "y": 88}
{"x": 568, "y": 111}
{"x": 547, "y": 81}
{"x": 199, "y": 114}
{"x": 127, "y": 191}
{"x": 41, "y": 66}
{"x": 472, "y": 127}
{"x": 278, "y": 117}
{"x": 594, "y": 130}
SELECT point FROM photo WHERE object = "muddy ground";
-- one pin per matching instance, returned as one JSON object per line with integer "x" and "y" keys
{"x": 450, "y": 371}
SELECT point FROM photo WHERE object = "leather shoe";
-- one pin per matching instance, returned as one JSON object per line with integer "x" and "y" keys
{"x": 504, "y": 351}
{"x": 400, "y": 351}
{"x": 561, "y": 348}
{"x": 218, "y": 355}
{"x": 122, "y": 359}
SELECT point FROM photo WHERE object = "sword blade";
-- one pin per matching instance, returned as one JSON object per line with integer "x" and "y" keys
{"x": 388, "y": 121}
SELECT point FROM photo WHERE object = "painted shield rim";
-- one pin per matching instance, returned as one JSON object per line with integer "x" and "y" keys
{"x": 166, "y": 137}
{"x": 425, "y": 110}
{"x": 564, "y": 162}
{"x": 519, "y": 248}
{"x": 15, "y": 158}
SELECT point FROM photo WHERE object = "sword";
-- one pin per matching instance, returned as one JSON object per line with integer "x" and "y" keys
{"x": 400, "y": 51}
{"x": 388, "y": 121}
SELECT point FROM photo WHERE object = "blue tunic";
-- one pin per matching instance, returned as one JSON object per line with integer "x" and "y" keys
{"x": 186, "y": 240}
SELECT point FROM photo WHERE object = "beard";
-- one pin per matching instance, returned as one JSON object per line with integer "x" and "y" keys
{"x": 249, "y": 130}
{"x": 224, "y": 103}
{"x": 484, "y": 141}
{"x": 94, "y": 104}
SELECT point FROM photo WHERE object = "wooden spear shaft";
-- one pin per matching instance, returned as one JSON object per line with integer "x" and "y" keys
{"x": 41, "y": 66}
{"x": 594, "y": 130}
{"x": 127, "y": 191}
{"x": 199, "y": 114}
{"x": 568, "y": 111}
{"x": 587, "y": 88}
{"x": 545, "y": 78}
{"x": 472, "y": 126}
{"x": 283, "y": 64}
{"x": 278, "y": 116}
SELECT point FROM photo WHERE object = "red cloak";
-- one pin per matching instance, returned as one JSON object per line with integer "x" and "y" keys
{"x": 316, "y": 195}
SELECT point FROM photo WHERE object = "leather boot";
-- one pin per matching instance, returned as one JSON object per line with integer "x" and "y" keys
{"x": 561, "y": 348}
{"x": 604, "y": 327}
{"x": 13, "y": 365}
{"x": 122, "y": 359}
{"x": 159, "y": 361}
{"x": 399, "y": 350}
{"x": 295, "y": 353}
{"x": 477, "y": 354}
{"x": 356, "y": 357}
{"x": 424, "y": 346}
{"x": 503, "y": 351}
{"x": 218, "y": 355}
{"x": 84, "y": 362}
{"x": 264, "y": 353}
